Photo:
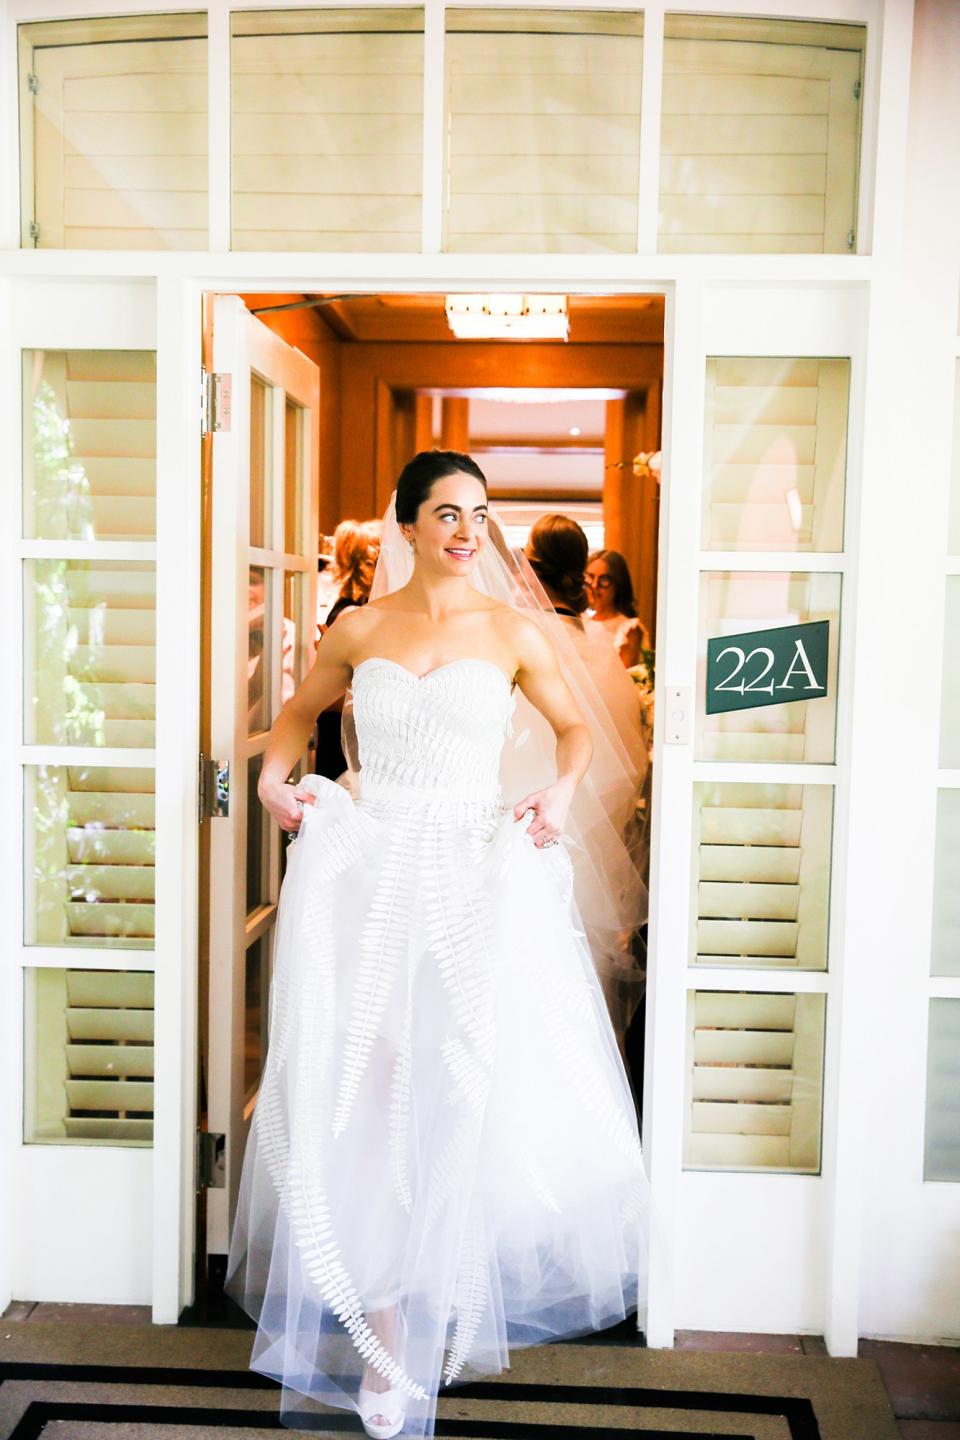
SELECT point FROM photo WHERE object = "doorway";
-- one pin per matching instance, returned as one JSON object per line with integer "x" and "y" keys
{"x": 556, "y": 424}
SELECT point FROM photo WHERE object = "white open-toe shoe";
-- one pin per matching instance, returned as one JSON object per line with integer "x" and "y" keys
{"x": 389, "y": 1404}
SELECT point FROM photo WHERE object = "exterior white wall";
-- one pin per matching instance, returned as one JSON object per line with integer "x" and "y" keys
{"x": 909, "y": 1271}
{"x": 866, "y": 1247}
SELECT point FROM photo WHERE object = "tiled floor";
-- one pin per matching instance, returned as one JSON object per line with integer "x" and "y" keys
{"x": 922, "y": 1381}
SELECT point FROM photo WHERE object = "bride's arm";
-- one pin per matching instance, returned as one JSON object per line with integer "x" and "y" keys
{"x": 290, "y": 732}
{"x": 540, "y": 679}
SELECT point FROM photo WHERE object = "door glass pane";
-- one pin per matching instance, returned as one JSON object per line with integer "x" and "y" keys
{"x": 258, "y": 650}
{"x": 950, "y": 699}
{"x": 760, "y": 135}
{"x": 762, "y": 860}
{"x": 775, "y": 444}
{"x": 941, "y": 1160}
{"x": 327, "y": 129}
{"x": 258, "y": 840}
{"x": 953, "y": 536}
{"x": 754, "y": 1081}
{"x": 260, "y": 464}
{"x": 291, "y": 639}
{"x": 256, "y": 991}
{"x": 90, "y": 652}
{"x": 90, "y": 856}
{"x": 293, "y": 479}
{"x": 543, "y": 130}
{"x": 88, "y": 1053}
{"x": 113, "y": 133}
{"x": 740, "y": 604}
{"x": 946, "y": 886}
{"x": 90, "y": 444}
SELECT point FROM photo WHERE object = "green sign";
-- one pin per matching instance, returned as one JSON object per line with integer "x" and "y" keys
{"x": 767, "y": 667}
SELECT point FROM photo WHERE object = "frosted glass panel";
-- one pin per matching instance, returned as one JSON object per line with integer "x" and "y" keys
{"x": 90, "y": 444}
{"x": 255, "y": 990}
{"x": 259, "y": 644}
{"x": 89, "y": 856}
{"x": 88, "y": 1048}
{"x": 261, "y": 464}
{"x": 941, "y": 1159}
{"x": 543, "y": 130}
{"x": 327, "y": 127}
{"x": 762, "y": 861}
{"x": 90, "y": 652}
{"x": 950, "y": 698}
{"x": 775, "y": 449}
{"x": 946, "y": 886}
{"x": 734, "y": 603}
{"x": 258, "y": 840}
{"x": 113, "y": 133}
{"x": 754, "y": 1081}
{"x": 953, "y": 537}
{"x": 760, "y": 135}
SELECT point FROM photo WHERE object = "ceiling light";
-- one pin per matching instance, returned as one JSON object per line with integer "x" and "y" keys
{"x": 574, "y": 430}
{"x": 508, "y": 317}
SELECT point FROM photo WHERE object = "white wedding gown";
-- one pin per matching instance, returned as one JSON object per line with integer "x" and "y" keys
{"x": 444, "y": 1125}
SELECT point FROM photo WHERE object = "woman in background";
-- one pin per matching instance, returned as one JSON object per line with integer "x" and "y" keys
{"x": 557, "y": 550}
{"x": 356, "y": 545}
{"x": 610, "y": 592}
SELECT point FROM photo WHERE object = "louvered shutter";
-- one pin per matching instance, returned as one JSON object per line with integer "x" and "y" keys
{"x": 753, "y": 1081}
{"x": 94, "y": 1033}
{"x": 119, "y": 131}
{"x": 759, "y": 139}
{"x": 775, "y": 454}
{"x": 543, "y": 130}
{"x": 327, "y": 130}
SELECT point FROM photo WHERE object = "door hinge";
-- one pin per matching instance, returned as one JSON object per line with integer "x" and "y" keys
{"x": 211, "y": 1160}
{"x": 216, "y": 393}
{"x": 851, "y": 239}
{"x": 34, "y": 231}
{"x": 857, "y": 89}
{"x": 33, "y": 84}
{"x": 214, "y": 789}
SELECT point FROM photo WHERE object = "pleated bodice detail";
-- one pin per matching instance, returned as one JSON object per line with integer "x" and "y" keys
{"x": 433, "y": 737}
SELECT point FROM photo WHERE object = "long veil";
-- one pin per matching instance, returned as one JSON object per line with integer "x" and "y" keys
{"x": 605, "y": 837}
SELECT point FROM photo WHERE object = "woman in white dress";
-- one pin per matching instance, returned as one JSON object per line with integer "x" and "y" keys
{"x": 444, "y": 1159}
{"x": 610, "y": 592}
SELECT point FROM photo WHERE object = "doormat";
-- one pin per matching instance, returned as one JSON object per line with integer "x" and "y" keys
{"x": 133, "y": 1382}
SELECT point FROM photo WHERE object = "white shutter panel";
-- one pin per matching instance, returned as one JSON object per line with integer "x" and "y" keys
{"x": 754, "y": 1089}
{"x": 120, "y": 145}
{"x": 543, "y": 131}
{"x": 759, "y": 140}
{"x": 93, "y": 1033}
{"x": 327, "y": 132}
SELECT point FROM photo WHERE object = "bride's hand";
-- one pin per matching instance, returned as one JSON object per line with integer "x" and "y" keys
{"x": 550, "y": 807}
{"x": 281, "y": 802}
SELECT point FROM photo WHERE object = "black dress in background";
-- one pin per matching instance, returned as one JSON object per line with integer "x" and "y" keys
{"x": 330, "y": 760}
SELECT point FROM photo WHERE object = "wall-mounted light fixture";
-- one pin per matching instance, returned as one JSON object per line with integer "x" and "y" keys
{"x": 508, "y": 317}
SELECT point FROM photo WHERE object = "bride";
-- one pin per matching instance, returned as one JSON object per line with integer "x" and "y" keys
{"x": 444, "y": 1158}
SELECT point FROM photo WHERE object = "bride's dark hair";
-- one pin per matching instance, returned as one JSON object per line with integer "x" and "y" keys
{"x": 419, "y": 475}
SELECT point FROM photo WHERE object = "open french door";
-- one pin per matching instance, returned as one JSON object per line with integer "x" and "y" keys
{"x": 263, "y": 591}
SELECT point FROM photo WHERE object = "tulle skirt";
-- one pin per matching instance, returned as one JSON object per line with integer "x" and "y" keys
{"x": 444, "y": 1159}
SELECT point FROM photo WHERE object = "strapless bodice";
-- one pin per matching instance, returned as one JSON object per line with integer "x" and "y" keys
{"x": 432, "y": 737}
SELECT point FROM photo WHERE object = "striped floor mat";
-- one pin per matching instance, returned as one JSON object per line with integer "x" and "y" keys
{"x": 126, "y": 1382}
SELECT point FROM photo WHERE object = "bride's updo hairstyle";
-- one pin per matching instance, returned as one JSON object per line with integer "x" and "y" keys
{"x": 557, "y": 550}
{"x": 419, "y": 475}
